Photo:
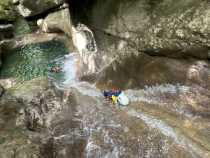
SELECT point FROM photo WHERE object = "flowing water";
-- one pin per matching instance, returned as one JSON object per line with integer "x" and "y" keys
{"x": 157, "y": 123}
{"x": 167, "y": 120}
{"x": 113, "y": 123}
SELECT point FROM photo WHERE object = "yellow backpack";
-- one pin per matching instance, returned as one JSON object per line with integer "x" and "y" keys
{"x": 114, "y": 99}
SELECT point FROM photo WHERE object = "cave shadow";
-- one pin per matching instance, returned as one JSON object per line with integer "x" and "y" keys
{"x": 94, "y": 12}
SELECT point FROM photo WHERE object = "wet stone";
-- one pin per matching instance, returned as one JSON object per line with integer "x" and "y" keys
{"x": 1, "y": 90}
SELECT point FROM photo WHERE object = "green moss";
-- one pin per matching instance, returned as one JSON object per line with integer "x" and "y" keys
{"x": 2, "y": 140}
{"x": 7, "y": 11}
{"x": 22, "y": 27}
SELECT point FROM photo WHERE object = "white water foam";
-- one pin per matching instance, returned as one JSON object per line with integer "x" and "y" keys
{"x": 70, "y": 68}
{"x": 149, "y": 94}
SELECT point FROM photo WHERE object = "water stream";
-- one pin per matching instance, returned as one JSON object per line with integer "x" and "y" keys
{"x": 158, "y": 122}
{"x": 152, "y": 106}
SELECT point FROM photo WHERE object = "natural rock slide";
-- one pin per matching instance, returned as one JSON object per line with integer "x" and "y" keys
{"x": 157, "y": 52}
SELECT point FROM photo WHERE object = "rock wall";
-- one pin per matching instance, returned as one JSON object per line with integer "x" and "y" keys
{"x": 161, "y": 29}
{"x": 30, "y": 8}
{"x": 59, "y": 21}
{"x": 159, "y": 25}
{"x": 18, "y": 18}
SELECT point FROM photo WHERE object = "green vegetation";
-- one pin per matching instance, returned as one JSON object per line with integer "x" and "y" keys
{"x": 7, "y": 11}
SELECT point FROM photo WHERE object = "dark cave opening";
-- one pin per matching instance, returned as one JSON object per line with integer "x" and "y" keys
{"x": 81, "y": 10}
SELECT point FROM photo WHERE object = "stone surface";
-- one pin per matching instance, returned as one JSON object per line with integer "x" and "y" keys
{"x": 165, "y": 30}
{"x": 7, "y": 11}
{"x": 180, "y": 26}
{"x": 1, "y": 90}
{"x": 78, "y": 122}
{"x": 142, "y": 43}
{"x": 7, "y": 83}
{"x": 29, "y": 89}
{"x": 59, "y": 21}
{"x": 30, "y": 7}
{"x": 138, "y": 71}
{"x": 13, "y": 140}
{"x": 30, "y": 39}
{"x": 6, "y": 31}
{"x": 159, "y": 28}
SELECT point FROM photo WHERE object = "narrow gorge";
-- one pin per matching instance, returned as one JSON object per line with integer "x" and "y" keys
{"x": 58, "y": 56}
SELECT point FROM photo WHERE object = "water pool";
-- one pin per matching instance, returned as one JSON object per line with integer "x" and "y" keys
{"x": 32, "y": 60}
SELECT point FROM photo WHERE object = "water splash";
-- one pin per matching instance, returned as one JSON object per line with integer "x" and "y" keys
{"x": 149, "y": 94}
{"x": 85, "y": 43}
{"x": 70, "y": 68}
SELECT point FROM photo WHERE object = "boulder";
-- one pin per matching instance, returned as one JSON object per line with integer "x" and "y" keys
{"x": 13, "y": 139}
{"x": 29, "y": 8}
{"x": 59, "y": 21}
{"x": 6, "y": 31}
{"x": 21, "y": 27}
{"x": 181, "y": 27}
{"x": 7, "y": 83}
{"x": 7, "y": 11}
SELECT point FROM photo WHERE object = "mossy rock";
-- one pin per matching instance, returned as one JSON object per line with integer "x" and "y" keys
{"x": 28, "y": 8}
{"x": 7, "y": 11}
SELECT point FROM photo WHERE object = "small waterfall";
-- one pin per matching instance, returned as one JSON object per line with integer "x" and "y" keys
{"x": 85, "y": 43}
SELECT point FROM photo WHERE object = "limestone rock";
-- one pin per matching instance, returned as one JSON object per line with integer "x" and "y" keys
{"x": 30, "y": 7}
{"x": 15, "y": 1}
{"x": 138, "y": 71}
{"x": 29, "y": 89}
{"x": 13, "y": 140}
{"x": 162, "y": 25}
{"x": 56, "y": 22}
{"x": 7, "y": 83}
{"x": 85, "y": 124}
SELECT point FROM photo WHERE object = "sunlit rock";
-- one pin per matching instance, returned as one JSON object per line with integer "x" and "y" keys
{"x": 29, "y": 8}
{"x": 59, "y": 21}
{"x": 7, "y": 83}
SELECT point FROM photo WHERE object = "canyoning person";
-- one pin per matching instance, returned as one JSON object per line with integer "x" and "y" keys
{"x": 112, "y": 95}
{"x": 56, "y": 69}
{"x": 108, "y": 94}
{"x": 116, "y": 96}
